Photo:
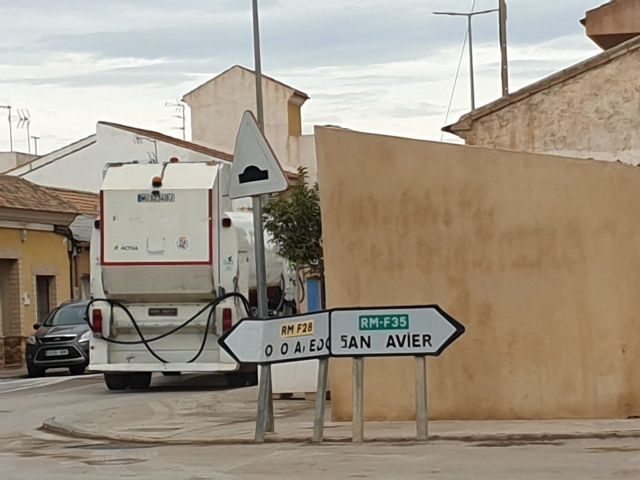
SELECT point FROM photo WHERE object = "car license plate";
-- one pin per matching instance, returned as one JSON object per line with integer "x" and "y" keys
{"x": 56, "y": 353}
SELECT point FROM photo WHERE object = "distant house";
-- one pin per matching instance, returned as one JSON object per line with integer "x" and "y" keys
{"x": 11, "y": 160}
{"x": 35, "y": 267}
{"x": 79, "y": 166}
{"x": 87, "y": 206}
{"x": 218, "y": 104}
{"x": 589, "y": 110}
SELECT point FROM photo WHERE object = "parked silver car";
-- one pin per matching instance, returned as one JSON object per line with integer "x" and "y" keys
{"x": 62, "y": 341}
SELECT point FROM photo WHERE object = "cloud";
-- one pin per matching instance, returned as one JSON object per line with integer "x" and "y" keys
{"x": 374, "y": 64}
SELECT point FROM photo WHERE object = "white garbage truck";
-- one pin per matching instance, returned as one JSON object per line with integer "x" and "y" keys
{"x": 171, "y": 270}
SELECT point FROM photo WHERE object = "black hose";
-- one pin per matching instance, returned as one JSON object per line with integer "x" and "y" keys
{"x": 144, "y": 341}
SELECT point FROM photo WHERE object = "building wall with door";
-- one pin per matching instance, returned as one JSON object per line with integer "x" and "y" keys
{"x": 29, "y": 260}
{"x": 536, "y": 255}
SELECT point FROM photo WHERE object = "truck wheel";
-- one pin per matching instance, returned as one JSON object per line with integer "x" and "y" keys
{"x": 77, "y": 370}
{"x": 242, "y": 379}
{"x": 115, "y": 381}
{"x": 139, "y": 381}
{"x": 34, "y": 372}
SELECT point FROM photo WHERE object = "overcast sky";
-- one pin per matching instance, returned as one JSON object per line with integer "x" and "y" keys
{"x": 376, "y": 65}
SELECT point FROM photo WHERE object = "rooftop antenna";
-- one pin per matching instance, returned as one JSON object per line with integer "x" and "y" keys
{"x": 153, "y": 158}
{"x": 8, "y": 107}
{"x": 180, "y": 110}
{"x": 24, "y": 121}
{"x": 35, "y": 143}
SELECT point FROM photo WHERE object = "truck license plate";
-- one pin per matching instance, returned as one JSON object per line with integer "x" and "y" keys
{"x": 56, "y": 353}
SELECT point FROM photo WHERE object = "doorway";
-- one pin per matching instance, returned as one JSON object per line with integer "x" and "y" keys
{"x": 45, "y": 295}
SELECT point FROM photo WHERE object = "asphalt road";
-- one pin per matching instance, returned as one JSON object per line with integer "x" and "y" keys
{"x": 26, "y": 453}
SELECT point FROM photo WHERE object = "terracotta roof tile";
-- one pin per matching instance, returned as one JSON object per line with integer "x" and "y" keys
{"x": 85, "y": 202}
{"x": 20, "y": 194}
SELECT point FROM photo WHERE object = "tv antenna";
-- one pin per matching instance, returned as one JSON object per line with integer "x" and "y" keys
{"x": 153, "y": 157}
{"x": 24, "y": 121}
{"x": 180, "y": 111}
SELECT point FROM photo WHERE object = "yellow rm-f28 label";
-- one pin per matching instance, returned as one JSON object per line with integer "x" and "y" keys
{"x": 297, "y": 329}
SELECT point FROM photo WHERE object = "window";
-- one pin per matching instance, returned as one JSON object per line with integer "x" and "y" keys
{"x": 45, "y": 295}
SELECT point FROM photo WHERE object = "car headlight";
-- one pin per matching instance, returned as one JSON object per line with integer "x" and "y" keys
{"x": 32, "y": 340}
{"x": 85, "y": 337}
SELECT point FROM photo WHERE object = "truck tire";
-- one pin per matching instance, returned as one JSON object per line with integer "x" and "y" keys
{"x": 77, "y": 369}
{"x": 242, "y": 379}
{"x": 115, "y": 381}
{"x": 34, "y": 372}
{"x": 139, "y": 381}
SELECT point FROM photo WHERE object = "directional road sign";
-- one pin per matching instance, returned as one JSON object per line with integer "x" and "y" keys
{"x": 255, "y": 169}
{"x": 278, "y": 340}
{"x": 392, "y": 331}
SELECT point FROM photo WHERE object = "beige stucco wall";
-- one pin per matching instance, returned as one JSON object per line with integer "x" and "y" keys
{"x": 536, "y": 255}
{"x": 593, "y": 115}
{"x": 40, "y": 253}
{"x": 217, "y": 107}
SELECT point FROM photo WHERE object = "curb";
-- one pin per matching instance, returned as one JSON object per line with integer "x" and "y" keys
{"x": 53, "y": 426}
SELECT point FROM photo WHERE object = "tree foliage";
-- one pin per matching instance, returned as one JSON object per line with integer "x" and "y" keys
{"x": 294, "y": 223}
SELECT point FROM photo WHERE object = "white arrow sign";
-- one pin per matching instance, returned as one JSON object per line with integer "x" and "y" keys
{"x": 278, "y": 340}
{"x": 393, "y": 331}
{"x": 255, "y": 169}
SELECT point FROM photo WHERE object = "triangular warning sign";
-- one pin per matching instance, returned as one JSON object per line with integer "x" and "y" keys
{"x": 255, "y": 169}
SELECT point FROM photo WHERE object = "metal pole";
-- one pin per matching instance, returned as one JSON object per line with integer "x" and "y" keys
{"x": 184, "y": 122}
{"x": 264, "y": 421}
{"x": 10, "y": 131}
{"x": 321, "y": 398}
{"x": 473, "y": 87}
{"x": 35, "y": 144}
{"x": 503, "y": 48}
{"x": 28, "y": 137}
{"x": 265, "y": 400}
{"x": 421, "y": 399}
{"x": 258, "y": 65}
{"x": 357, "y": 423}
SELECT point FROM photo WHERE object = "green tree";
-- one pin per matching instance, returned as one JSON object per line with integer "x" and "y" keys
{"x": 293, "y": 221}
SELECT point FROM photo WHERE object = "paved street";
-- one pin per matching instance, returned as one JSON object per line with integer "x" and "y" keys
{"x": 26, "y": 453}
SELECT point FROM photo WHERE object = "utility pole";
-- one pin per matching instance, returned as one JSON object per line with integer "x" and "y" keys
{"x": 35, "y": 143}
{"x": 265, "y": 392}
{"x": 8, "y": 107}
{"x": 504, "y": 63}
{"x": 469, "y": 16}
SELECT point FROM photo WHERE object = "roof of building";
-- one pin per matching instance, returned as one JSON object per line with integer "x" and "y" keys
{"x": 266, "y": 77}
{"x": 57, "y": 154}
{"x": 86, "y": 203}
{"x": 172, "y": 140}
{"x": 464, "y": 123}
{"x": 20, "y": 194}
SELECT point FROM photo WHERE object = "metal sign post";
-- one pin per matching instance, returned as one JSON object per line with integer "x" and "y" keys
{"x": 255, "y": 171}
{"x": 421, "y": 398}
{"x": 265, "y": 341}
{"x": 321, "y": 400}
{"x": 357, "y": 423}
{"x": 419, "y": 331}
{"x": 391, "y": 331}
